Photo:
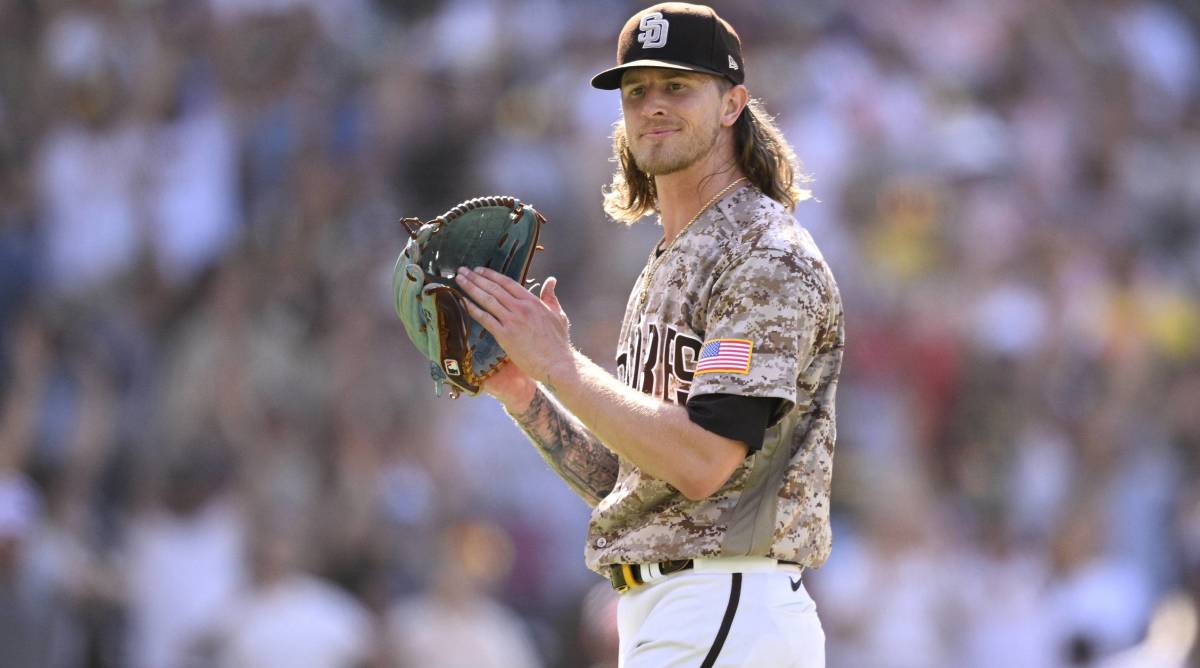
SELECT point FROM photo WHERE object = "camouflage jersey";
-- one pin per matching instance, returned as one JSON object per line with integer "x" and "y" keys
{"x": 744, "y": 272}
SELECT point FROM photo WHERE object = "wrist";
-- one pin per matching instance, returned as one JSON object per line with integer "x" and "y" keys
{"x": 516, "y": 398}
{"x": 561, "y": 371}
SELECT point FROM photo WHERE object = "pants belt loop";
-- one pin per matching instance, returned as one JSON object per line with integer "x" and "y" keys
{"x": 653, "y": 572}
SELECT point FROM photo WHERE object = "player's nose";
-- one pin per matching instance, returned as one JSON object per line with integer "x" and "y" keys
{"x": 654, "y": 103}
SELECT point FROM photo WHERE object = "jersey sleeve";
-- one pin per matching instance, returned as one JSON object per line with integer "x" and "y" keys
{"x": 765, "y": 314}
{"x": 734, "y": 416}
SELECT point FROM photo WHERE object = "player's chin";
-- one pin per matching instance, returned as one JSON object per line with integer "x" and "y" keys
{"x": 655, "y": 162}
{"x": 662, "y": 167}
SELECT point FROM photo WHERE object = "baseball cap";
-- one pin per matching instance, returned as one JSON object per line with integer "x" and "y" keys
{"x": 680, "y": 36}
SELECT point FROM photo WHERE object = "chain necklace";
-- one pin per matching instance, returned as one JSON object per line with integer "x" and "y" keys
{"x": 656, "y": 261}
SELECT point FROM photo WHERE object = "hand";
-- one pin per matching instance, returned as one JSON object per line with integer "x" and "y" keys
{"x": 533, "y": 331}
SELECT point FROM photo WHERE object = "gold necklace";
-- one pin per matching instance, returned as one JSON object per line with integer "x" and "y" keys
{"x": 656, "y": 261}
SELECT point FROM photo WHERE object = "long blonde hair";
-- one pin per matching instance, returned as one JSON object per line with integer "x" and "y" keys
{"x": 760, "y": 149}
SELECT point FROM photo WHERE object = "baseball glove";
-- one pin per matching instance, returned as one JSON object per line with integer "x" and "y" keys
{"x": 497, "y": 232}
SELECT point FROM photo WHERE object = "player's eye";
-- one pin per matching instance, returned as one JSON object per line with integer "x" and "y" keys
{"x": 634, "y": 91}
{"x": 677, "y": 86}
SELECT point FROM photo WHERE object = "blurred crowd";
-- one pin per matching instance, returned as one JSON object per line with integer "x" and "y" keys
{"x": 217, "y": 447}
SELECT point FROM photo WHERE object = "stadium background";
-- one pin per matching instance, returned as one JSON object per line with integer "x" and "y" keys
{"x": 216, "y": 445}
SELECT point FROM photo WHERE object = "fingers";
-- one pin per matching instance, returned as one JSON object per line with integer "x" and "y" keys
{"x": 509, "y": 285}
{"x": 548, "y": 296}
{"x": 505, "y": 299}
{"x": 489, "y": 322}
{"x": 490, "y": 296}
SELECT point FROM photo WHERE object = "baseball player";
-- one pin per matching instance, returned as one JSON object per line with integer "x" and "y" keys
{"x": 707, "y": 458}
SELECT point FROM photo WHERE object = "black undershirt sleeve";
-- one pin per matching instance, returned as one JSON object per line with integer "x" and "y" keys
{"x": 734, "y": 416}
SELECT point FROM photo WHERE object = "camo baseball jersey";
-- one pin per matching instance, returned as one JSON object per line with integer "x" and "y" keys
{"x": 742, "y": 303}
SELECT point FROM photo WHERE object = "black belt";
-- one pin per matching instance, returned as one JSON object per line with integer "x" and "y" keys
{"x": 629, "y": 576}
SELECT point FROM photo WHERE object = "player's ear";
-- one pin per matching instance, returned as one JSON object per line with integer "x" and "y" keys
{"x": 732, "y": 103}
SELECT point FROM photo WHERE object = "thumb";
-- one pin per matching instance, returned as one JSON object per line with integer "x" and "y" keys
{"x": 548, "y": 297}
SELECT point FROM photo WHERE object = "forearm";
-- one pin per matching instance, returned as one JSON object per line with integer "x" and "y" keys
{"x": 655, "y": 436}
{"x": 573, "y": 452}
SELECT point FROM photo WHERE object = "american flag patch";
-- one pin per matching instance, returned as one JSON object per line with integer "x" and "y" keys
{"x": 724, "y": 356}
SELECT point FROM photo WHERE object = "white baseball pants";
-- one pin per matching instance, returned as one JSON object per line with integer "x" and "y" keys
{"x": 745, "y": 613}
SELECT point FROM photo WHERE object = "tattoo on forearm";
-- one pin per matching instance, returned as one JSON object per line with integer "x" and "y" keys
{"x": 575, "y": 454}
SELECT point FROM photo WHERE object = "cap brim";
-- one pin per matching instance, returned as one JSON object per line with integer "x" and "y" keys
{"x": 610, "y": 79}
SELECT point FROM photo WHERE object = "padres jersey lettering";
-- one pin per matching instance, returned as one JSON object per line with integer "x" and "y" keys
{"x": 664, "y": 371}
{"x": 745, "y": 292}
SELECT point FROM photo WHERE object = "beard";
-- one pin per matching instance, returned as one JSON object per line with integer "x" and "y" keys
{"x": 675, "y": 154}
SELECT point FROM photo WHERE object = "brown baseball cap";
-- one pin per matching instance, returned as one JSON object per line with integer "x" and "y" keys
{"x": 680, "y": 36}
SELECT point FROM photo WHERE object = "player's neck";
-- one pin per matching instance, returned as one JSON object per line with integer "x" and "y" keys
{"x": 681, "y": 195}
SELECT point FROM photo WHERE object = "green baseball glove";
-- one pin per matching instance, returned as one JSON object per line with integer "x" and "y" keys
{"x": 497, "y": 232}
